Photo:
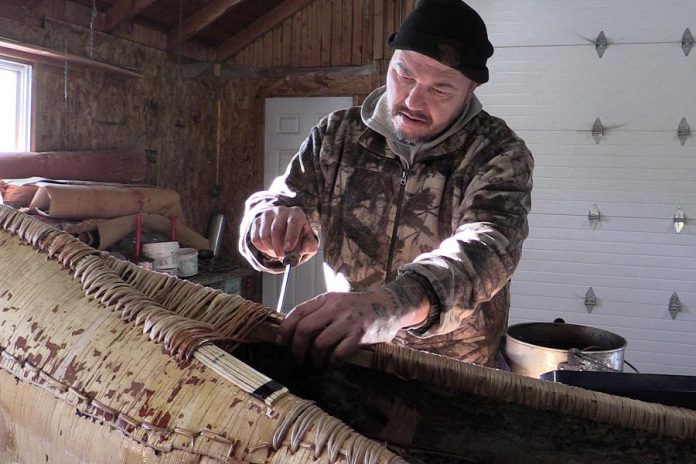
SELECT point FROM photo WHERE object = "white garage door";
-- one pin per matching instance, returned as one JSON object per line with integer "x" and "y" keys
{"x": 550, "y": 85}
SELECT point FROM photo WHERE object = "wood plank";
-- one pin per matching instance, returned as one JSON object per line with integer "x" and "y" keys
{"x": 306, "y": 42}
{"x": 124, "y": 10}
{"x": 198, "y": 21}
{"x": 336, "y": 22}
{"x": 268, "y": 50}
{"x": 316, "y": 34}
{"x": 296, "y": 39}
{"x": 325, "y": 51}
{"x": 389, "y": 26}
{"x": 286, "y": 56}
{"x": 243, "y": 71}
{"x": 367, "y": 31}
{"x": 277, "y": 45}
{"x": 357, "y": 42}
{"x": 378, "y": 29}
{"x": 346, "y": 31}
{"x": 259, "y": 27}
{"x": 33, "y": 53}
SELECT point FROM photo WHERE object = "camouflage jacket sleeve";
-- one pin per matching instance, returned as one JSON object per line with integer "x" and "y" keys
{"x": 489, "y": 225}
{"x": 298, "y": 186}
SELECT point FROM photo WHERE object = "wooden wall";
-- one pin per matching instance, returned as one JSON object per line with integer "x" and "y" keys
{"x": 329, "y": 33}
{"x": 170, "y": 118}
{"x": 324, "y": 34}
{"x": 177, "y": 120}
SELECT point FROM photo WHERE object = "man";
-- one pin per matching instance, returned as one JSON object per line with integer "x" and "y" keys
{"x": 422, "y": 200}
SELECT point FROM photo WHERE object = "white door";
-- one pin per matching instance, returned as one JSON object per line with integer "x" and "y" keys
{"x": 288, "y": 122}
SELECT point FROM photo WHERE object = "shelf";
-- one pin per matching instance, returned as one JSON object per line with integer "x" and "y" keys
{"x": 33, "y": 53}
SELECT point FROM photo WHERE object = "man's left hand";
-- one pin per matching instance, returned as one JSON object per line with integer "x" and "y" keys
{"x": 333, "y": 325}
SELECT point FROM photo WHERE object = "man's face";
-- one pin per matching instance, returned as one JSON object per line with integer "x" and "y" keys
{"x": 424, "y": 95}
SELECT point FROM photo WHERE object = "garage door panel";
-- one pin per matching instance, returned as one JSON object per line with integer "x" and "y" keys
{"x": 627, "y": 283}
{"x": 631, "y": 315}
{"x": 620, "y": 250}
{"x": 640, "y": 242}
{"x": 664, "y": 199}
{"x": 535, "y": 93}
{"x": 559, "y": 157}
{"x": 553, "y": 218}
{"x": 576, "y": 292}
{"x": 622, "y": 270}
{"x": 571, "y": 257}
{"x": 563, "y": 22}
{"x": 656, "y": 145}
{"x": 548, "y": 83}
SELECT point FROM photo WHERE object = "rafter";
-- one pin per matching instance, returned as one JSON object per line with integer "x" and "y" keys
{"x": 259, "y": 27}
{"x": 124, "y": 10}
{"x": 199, "y": 21}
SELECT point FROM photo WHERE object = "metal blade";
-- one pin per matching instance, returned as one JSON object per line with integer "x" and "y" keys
{"x": 283, "y": 289}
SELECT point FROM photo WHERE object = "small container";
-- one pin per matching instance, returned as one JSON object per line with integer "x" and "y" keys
{"x": 188, "y": 262}
{"x": 163, "y": 254}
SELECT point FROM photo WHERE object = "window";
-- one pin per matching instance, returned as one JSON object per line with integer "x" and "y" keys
{"x": 15, "y": 106}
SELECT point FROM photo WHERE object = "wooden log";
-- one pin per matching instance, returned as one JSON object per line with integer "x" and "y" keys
{"x": 104, "y": 201}
{"x": 97, "y": 166}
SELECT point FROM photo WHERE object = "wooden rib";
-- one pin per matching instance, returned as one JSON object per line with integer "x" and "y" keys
{"x": 124, "y": 10}
{"x": 198, "y": 21}
{"x": 236, "y": 372}
{"x": 259, "y": 27}
{"x": 346, "y": 31}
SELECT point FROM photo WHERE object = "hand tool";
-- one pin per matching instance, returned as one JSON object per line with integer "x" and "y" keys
{"x": 290, "y": 260}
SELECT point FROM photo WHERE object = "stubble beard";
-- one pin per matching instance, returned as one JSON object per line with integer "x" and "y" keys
{"x": 402, "y": 137}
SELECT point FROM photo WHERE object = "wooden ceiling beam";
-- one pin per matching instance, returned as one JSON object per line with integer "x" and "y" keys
{"x": 259, "y": 27}
{"x": 198, "y": 21}
{"x": 31, "y": 4}
{"x": 124, "y": 10}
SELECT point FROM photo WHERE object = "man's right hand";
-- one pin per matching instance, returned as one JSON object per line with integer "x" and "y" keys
{"x": 282, "y": 229}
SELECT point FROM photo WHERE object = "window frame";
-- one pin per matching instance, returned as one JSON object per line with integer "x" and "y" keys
{"x": 23, "y": 139}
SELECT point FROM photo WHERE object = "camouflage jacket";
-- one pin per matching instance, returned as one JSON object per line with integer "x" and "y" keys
{"x": 457, "y": 216}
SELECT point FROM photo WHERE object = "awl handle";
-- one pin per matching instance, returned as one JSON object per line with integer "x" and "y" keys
{"x": 292, "y": 257}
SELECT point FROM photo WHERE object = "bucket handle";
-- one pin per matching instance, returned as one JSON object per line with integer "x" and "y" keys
{"x": 577, "y": 353}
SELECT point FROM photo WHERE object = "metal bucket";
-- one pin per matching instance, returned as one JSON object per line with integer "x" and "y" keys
{"x": 534, "y": 348}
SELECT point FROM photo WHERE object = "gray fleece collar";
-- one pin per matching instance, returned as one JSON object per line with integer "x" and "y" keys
{"x": 375, "y": 115}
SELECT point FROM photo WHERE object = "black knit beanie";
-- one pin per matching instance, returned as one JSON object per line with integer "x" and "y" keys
{"x": 449, "y": 31}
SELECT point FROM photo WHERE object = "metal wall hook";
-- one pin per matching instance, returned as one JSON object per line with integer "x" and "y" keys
{"x": 687, "y": 42}
{"x": 597, "y": 130}
{"x": 683, "y": 131}
{"x": 601, "y": 44}
{"x": 590, "y": 300}
{"x": 679, "y": 220}
{"x": 675, "y": 306}
{"x": 594, "y": 216}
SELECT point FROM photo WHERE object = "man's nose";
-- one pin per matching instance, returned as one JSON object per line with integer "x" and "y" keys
{"x": 415, "y": 100}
